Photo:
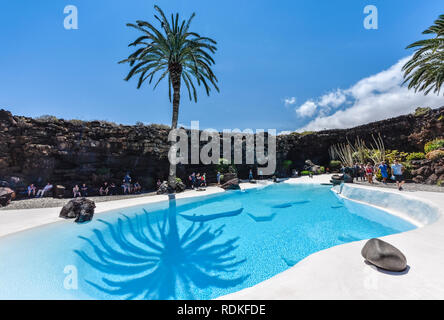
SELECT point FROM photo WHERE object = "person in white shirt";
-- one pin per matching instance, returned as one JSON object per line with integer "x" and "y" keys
{"x": 41, "y": 193}
{"x": 398, "y": 173}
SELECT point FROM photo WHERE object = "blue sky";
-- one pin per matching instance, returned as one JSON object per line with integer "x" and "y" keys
{"x": 268, "y": 51}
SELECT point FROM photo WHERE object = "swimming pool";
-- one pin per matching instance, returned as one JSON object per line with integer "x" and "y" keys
{"x": 195, "y": 248}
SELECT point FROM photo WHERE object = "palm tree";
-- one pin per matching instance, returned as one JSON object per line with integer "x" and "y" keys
{"x": 425, "y": 70}
{"x": 175, "y": 53}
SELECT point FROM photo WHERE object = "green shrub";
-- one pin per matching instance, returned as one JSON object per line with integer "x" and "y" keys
{"x": 225, "y": 166}
{"x": 415, "y": 156}
{"x": 335, "y": 164}
{"x": 392, "y": 155}
{"x": 322, "y": 170}
{"x": 441, "y": 118}
{"x": 178, "y": 180}
{"x": 305, "y": 173}
{"x": 433, "y": 145}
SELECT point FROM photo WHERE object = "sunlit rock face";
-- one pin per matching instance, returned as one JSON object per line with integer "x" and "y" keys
{"x": 74, "y": 152}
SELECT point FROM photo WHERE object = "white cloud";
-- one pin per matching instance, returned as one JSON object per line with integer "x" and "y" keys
{"x": 289, "y": 101}
{"x": 333, "y": 99}
{"x": 307, "y": 109}
{"x": 374, "y": 98}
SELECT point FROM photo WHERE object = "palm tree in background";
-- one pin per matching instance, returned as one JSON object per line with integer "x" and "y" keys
{"x": 425, "y": 70}
{"x": 174, "y": 53}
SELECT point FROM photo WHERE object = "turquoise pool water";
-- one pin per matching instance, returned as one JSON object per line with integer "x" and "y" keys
{"x": 199, "y": 248}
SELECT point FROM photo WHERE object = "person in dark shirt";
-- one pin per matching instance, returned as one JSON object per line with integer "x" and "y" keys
{"x": 84, "y": 190}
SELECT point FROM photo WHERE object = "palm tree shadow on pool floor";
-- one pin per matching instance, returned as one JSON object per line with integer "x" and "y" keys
{"x": 153, "y": 261}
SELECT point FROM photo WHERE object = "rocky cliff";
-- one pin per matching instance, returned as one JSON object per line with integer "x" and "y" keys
{"x": 70, "y": 152}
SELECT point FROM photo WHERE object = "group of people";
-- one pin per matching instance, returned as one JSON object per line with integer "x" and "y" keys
{"x": 367, "y": 172}
{"x": 128, "y": 187}
{"x": 81, "y": 191}
{"x": 40, "y": 193}
{"x": 198, "y": 181}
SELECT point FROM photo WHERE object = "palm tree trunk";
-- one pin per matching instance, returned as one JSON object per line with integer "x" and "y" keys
{"x": 175, "y": 73}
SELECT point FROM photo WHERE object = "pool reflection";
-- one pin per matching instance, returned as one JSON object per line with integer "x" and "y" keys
{"x": 141, "y": 259}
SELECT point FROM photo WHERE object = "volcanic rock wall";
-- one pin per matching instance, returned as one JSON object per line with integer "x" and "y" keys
{"x": 71, "y": 152}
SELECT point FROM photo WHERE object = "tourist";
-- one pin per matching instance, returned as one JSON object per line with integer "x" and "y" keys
{"x": 76, "y": 191}
{"x": 204, "y": 179}
{"x": 113, "y": 189}
{"x": 127, "y": 183}
{"x": 104, "y": 189}
{"x": 398, "y": 173}
{"x": 250, "y": 175}
{"x": 356, "y": 171}
{"x": 384, "y": 171}
{"x": 193, "y": 180}
{"x": 42, "y": 192}
{"x": 218, "y": 177}
{"x": 84, "y": 190}
{"x": 31, "y": 190}
{"x": 362, "y": 172}
{"x": 369, "y": 173}
{"x": 137, "y": 187}
{"x": 198, "y": 180}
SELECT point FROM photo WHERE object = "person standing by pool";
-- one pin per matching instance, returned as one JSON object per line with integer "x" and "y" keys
{"x": 384, "y": 173}
{"x": 127, "y": 183}
{"x": 192, "y": 180}
{"x": 218, "y": 177}
{"x": 398, "y": 173}
{"x": 356, "y": 169}
{"x": 362, "y": 172}
{"x": 204, "y": 179}
{"x": 197, "y": 180}
{"x": 250, "y": 175}
{"x": 369, "y": 172}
